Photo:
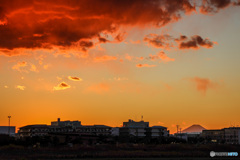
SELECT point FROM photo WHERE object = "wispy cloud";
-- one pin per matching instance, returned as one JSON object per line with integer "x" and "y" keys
{"x": 161, "y": 56}
{"x": 204, "y": 84}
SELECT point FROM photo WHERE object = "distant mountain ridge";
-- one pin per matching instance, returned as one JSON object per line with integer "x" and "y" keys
{"x": 194, "y": 128}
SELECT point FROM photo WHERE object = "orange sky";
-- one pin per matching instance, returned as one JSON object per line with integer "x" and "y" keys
{"x": 104, "y": 62}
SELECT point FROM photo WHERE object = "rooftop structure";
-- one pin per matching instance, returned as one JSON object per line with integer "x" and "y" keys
{"x": 132, "y": 123}
{"x": 66, "y": 123}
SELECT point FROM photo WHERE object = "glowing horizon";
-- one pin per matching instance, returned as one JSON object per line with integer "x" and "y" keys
{"x": 104, "y": 62}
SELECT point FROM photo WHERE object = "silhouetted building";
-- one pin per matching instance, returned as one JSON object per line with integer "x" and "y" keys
{"x": 132, "y": 131}
{"x": 64, "y": 128}
{"x": 132, "y": 123}
{"x": 157, "y": 131}
{"x": 94, "y": 130}
{"x": 8, "y": 130}
{"x": 183, "y": 136}
{"x": 33, "y": 130}
{"x": 115, "y": 131}
{"x": 213, "y": 136}
{"x": 141, "y": 129}
{"x": 60, "y": 123}
{"x": 232, "y": 135}
{"x": 194, "y": 131}
{"x": 229, "y": 135}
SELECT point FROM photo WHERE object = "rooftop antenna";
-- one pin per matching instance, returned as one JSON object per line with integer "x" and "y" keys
{"x": 142, "y": 118}
{"x": 9, "y": 117}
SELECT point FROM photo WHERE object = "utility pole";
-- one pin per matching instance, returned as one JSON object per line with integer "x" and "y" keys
{"x": 177, "y": 127}
{"x": 9, "y": 117}
{"x": 181, "y": 133}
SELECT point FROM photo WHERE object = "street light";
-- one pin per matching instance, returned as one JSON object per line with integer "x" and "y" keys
{"x": 9, "y": 125}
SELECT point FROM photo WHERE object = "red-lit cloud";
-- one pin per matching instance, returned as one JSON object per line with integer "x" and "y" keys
{"x": 44, "y": 24}
{"x": 35, "y": 24}
{"x": 61, "y": 86}
{"x": 204, "y": 84}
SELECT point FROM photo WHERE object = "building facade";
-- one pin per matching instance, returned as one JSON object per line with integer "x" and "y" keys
{"x": 232, "y": 135}
{"x": 64, "y": 128}
{"x": 141, "y": 129}
{"x": 229, "y": 135}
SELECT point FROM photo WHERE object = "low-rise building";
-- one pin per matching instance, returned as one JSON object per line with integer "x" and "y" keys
{"x": 229, "y": 135}
{"x": 232, "y": 135}
{"x": 33, "y": 130}
{"x": 142, "y": 129}
{"x": 158, "y": 131}
{"x": 214, "y": 136}
{"x": 46, "y": 130}
{"x": 94, "y": 130}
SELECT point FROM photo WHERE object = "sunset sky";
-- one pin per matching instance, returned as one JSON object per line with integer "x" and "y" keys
{"x": 104, "y": 62}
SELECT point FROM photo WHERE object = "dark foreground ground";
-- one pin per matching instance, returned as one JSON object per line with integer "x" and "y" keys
{"x": 119, "y": 152}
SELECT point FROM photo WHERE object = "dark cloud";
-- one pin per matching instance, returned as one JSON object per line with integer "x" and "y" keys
{"x": 102, "y": 40}
{"x": 44, "y": 23}
{"x": 237, "y": 3}
{"x": 74, "y": 78}
{"x": 61, "y": 86}
{"x": 181, "y": 38}
{"x": 120, "y": 37}
{"x": 213, "y": 6}
{"x": 159, "y": 41}
{"x": 194, "y": 42}
{"x": 167, "y": 41}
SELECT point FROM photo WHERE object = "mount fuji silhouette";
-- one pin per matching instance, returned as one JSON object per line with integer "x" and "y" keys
{"x": 194, "y": 128}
